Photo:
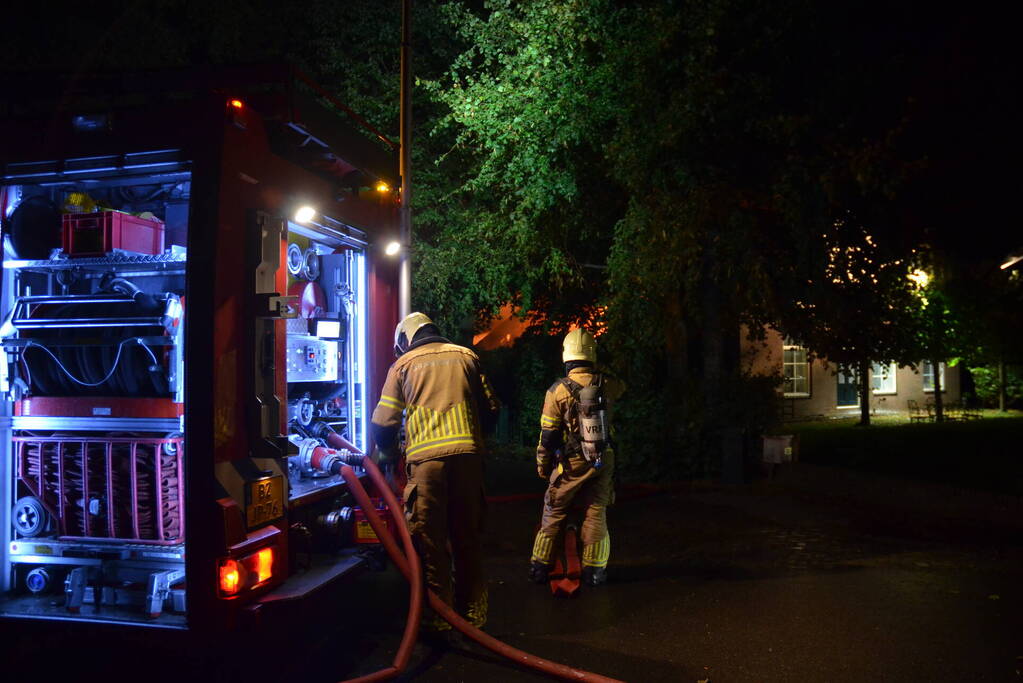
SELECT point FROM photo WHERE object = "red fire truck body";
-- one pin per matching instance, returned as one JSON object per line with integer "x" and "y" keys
{"x": 175, "y": 342}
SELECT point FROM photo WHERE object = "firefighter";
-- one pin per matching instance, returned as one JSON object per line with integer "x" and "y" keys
{"x": 579, "y": 471}
{"x": 443, "y": 394}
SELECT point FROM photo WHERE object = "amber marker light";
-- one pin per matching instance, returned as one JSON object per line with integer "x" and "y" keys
{"x": 264, "y": 564}
{"x": 236, "y": 104}
{"x": 230, "y": 577}
{"x": 383, "y": 187}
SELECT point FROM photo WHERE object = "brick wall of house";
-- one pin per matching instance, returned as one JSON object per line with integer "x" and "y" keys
{"x": 765, "y": 358}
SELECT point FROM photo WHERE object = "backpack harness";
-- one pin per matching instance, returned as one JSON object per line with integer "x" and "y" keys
{"x": 593, "y": 436}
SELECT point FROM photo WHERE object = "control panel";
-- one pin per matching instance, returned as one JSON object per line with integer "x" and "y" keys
{"x": 311, "y": 359}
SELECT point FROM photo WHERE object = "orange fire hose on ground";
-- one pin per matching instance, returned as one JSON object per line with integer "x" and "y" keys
{"x": 409, "y": 566}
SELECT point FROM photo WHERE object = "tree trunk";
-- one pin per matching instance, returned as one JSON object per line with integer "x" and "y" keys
{"x": 939, "y": 412}
{"x": 864, "y": 386}
{"x": 1001, "y": 384}
{"x": 679, "y": 372}
{"x": 712, "y": 352}
{"x": 720, "y": 344}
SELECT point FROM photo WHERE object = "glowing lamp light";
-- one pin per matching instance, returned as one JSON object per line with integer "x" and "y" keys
{"x": 304, "y": 214}
{"x": 392, "y": 248}
{"x": 330, "y": 329}
{"x": 264, "y": 564}
{"x": 230, "y": 577}
{"x": 1013, "y": 260}
{"x": 383, "y": 187}
{"x": 920, "y": 277}
{"x": 237, "y": 104}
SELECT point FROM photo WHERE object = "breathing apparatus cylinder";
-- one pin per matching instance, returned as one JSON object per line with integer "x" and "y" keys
{"x": 593, "y": 430}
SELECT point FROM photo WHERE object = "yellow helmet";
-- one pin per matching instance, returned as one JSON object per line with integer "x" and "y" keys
{"x": 579, "y": 345}
{"x": 406, "y": 331}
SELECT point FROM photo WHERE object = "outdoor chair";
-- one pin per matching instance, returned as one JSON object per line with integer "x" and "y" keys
{"x": 915, "y": 413}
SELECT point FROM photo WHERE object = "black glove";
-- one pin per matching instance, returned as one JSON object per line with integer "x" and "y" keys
{"x": 386, "y": 458}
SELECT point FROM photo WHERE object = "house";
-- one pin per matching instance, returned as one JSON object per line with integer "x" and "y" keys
{"x": 817, "y": 388}
{"x": 503, "y": 330}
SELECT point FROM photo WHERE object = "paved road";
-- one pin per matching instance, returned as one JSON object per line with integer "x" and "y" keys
{"x": 816, "y": 575}
{"x": 771, "y": 583}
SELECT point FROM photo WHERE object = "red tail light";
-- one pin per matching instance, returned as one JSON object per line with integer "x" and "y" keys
{"x": 237, "y": 576}
{"x": 230, "y": 577}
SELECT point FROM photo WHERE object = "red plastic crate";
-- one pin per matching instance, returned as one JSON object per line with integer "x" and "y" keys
{"x": 364, "y": 533}
{"x": 96, "y": 234}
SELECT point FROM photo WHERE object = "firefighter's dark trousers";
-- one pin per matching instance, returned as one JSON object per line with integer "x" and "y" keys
{"x": 583, "y": 490}
{"x": 445, "y": 504}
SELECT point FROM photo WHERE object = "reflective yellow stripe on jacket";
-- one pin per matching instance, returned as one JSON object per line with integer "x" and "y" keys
{"x": 391, "y": 402}
{"x": 428, "y": 429}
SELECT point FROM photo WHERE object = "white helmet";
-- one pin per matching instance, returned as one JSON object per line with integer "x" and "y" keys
{"x": 406, "y": 331}
{"x": 579, "y": 345}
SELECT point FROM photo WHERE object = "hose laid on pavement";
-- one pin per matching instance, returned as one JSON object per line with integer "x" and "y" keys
{"x": 415, "y": 578}
{"x": 405, "y": 566}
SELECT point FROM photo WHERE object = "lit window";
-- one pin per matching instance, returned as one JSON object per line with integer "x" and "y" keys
{"x": 882, "y": 378}
{"x": 796, "y": 370}
{"x": 928, "y": 372}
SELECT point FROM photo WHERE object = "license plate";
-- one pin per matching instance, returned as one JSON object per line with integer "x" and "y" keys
{"x": 265, "y": 501}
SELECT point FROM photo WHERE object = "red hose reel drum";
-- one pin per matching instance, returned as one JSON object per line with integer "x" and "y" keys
{"x": 312, "y": 300}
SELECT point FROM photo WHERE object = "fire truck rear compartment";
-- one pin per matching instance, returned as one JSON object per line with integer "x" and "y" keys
{"x": 92, "y": 374}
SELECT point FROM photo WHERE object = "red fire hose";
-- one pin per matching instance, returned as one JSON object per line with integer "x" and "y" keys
{"x": 415, "y": 607}
{"x": 409, "y": 567}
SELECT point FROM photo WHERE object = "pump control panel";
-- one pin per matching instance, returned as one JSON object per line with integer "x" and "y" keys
{"x": 311, "y": 359}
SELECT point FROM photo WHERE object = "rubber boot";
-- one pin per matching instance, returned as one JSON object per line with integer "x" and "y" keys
{"x": 594, "y": 576}
{"x": 538, "y": 572}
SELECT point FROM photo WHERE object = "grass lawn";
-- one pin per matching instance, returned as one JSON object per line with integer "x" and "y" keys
{"x": 982, "y": 454}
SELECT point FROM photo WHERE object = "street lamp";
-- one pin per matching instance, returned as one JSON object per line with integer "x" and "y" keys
{"x": 920, "y": 277}
{"x": 405, "y": 161}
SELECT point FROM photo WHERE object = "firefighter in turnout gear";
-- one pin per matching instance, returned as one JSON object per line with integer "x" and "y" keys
{"x": 439, "y": 389}
{"x": 576, "y": 458}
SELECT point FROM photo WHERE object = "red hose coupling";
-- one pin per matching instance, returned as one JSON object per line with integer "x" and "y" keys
{"x": 331, "y": 460}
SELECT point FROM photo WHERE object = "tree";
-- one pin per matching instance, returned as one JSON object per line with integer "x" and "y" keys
{"x": 965, "y": 310}
{"x": 857, "y": 310}
{"x": 526, "y": 103}
{"x": 726, "y": 130}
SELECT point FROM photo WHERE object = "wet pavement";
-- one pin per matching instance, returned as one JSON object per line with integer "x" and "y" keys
{"x": 773, "y": 582}
{"x": 818, "y": 574}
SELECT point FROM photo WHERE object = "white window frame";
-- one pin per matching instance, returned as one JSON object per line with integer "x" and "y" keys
{"x": 927, "y": 376}
{"x": 882, "y": 379}
{"x": 791, "y": 377}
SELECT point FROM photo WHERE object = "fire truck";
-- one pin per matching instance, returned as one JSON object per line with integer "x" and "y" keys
{"x": 194, "y": 293}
